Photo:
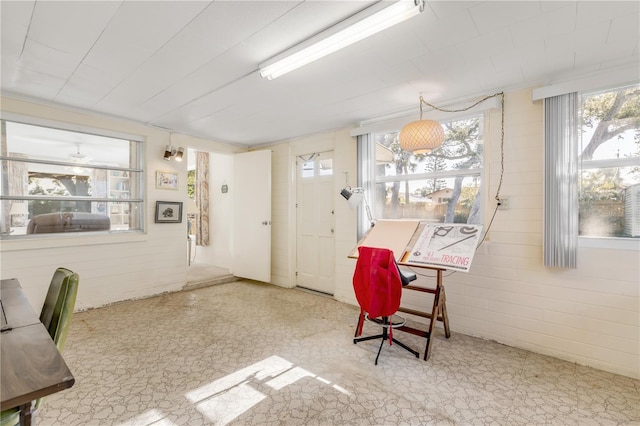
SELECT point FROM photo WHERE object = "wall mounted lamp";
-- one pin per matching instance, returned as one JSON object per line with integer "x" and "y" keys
{"x": 398, "y": 12}
{"x": 170, "y": 152}
{"x": 422, "y": 136}
{"x": 354, "y": 197}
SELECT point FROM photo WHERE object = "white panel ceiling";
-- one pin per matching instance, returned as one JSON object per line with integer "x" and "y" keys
{"x": 192, "y": 66}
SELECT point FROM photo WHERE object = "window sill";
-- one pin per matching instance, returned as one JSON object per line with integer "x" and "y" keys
{"x": 609, "y": 243}
{"x": 69, "y": 240}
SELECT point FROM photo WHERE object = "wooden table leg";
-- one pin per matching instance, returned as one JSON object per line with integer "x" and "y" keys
{"x": 443, "y": 313}
{"x": 434, "y": 316}
{"x": 25, "y": 414}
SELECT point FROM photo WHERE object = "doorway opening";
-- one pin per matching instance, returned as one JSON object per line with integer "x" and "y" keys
{"x": 208, "y": 252}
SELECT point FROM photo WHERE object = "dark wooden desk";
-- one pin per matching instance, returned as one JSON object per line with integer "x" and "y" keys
{"x": 31, "y": 366}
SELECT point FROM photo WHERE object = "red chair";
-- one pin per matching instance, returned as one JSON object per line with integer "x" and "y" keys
{"x": 377, "y": 283}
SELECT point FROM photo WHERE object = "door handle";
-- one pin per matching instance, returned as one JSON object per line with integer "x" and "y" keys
{"x": 266, "y": 222}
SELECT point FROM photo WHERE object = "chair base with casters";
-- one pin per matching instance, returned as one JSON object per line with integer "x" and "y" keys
{"x": 378, "y": 283}
{"x": 385, "y": 323}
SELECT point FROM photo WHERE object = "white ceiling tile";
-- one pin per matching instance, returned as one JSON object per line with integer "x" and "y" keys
{"x": 487, "y": 44}
{"x": 56, "y": 62}
{"x": 17, "y": 12}
{"x": 436, "y": 34}
{"x": 548, "y": 6}
{"x": 35, "y": 84}
{"x": 619, "y": 34}
{"x": 87, "y": 86}
{"x": 492, "y": 15}
{"x": 12, "y": 40}
{"x": 444, "y": 9}
{"x": 593, "y": 38}
{"x": 585, "y": 57}
{"x": 213, "y": 76}
{"x": 398, "y": 73}
{"x": 398, "y": 46}
{"x": 439, "y": 60}
{"x": 13, "y": 30}
{"x": 590, "y": 13}
{"x": 168, "y": 18}
{"x": 525, "y": 54}
{"x": 543, "y": 71}
{"x": 72, "y": 29}
{"x": 127, "y": 42}
{"x": 558, "y": 21}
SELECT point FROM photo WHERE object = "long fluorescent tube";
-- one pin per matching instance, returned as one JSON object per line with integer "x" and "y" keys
{"x": 392, "y": 15}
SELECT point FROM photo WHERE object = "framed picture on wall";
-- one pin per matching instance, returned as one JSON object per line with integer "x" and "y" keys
{"x": 168, "y": 212}
{"x": 166, "y": 180}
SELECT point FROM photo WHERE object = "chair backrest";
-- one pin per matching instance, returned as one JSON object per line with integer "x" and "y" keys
{"x": 58, "y": 308}
{"x": 59, "y": 304}
{"x": 376, "y": 281}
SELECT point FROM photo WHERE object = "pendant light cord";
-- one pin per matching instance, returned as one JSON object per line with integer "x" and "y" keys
{"x": 501, "y": 94}
{"x": 497, "y": 196}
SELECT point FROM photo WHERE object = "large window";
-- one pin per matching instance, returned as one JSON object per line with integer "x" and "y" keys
{"x": 60, "y": 181}
{"x": 442, "y": 186}
{"x": 609, "y": 159}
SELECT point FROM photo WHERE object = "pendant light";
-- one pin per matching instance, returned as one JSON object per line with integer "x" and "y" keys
{"x": 422, "y": 136}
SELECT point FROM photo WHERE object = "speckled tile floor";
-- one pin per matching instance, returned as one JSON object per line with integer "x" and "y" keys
{"x": 244, "y": 353}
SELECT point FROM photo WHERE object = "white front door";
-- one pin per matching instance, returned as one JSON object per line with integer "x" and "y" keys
{"x": 315, "y": 222}
{"x": 251, "y": 237}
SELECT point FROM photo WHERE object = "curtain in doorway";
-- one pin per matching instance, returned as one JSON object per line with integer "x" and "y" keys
{"x": 202, "y": 198}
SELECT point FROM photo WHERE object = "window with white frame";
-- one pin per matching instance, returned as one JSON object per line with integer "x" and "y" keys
{"x": 441, "y": 186}
{"x": 57, "y": 180}
{"x": 609, "y": 163}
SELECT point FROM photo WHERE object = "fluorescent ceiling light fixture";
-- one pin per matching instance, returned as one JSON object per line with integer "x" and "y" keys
{"x": 379, "y": 21}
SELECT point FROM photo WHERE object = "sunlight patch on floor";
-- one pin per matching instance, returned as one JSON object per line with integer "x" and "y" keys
{"x": 223, "y": 400}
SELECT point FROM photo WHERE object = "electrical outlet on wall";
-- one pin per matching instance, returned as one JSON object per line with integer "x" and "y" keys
{"x": 503, "y": 203}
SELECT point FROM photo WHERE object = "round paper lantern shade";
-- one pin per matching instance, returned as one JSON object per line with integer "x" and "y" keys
{"x": 420, "y": 137}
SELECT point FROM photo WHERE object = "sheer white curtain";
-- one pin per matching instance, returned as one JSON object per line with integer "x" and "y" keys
{"x": 202, "y": 198}
{"x": 561, "y": 181}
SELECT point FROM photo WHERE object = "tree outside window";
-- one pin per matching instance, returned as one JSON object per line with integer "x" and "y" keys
{"x": 442, "y": 186}
{"x": 609, "y": 198}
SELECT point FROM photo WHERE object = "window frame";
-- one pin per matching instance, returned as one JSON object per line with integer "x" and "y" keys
{"x": 138, "y": 169}
{"x": 368, "y": 180}
{"x": 595, "y": 241}
{"x": 624, "y": 75}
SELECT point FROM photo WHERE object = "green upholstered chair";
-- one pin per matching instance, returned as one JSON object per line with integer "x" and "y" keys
{"x": 58, "y": 305}
{"x": 10, "y": 417}
{"x": 55, "y": 316}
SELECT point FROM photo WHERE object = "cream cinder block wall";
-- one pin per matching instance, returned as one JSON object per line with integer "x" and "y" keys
{"x": 111, "y": 267}
{"x": 589, "y": 315}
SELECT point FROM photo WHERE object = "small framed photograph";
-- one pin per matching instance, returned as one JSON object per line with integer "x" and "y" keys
{"x": 166, "y": 180}
{"x": 168, "y": 212}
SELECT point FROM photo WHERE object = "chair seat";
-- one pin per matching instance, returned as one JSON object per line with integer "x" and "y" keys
{"x": 407, "y": 276}
{"x": 395, "y": 321}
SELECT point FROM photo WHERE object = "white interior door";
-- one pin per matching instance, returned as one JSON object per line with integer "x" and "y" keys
{"x": 315, "y": 223}
{"x": 251, "y": 237}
